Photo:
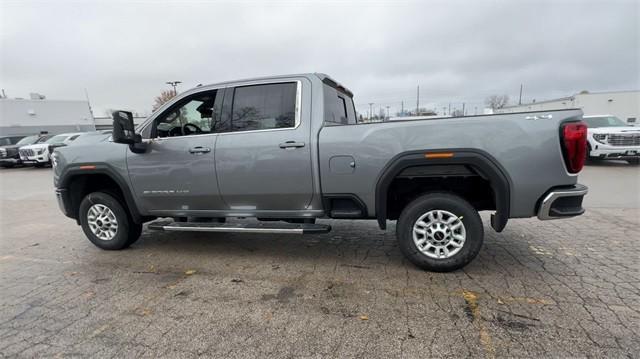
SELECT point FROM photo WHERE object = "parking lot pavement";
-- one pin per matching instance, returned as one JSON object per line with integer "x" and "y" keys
{"x": 554, "y": 288}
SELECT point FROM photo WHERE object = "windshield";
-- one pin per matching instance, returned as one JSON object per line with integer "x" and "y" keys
{"x": 43, "y": 138}
{"x": 57, "y": 139}
{"x": 604, "y": 121}
{"x": 27, "y": 140}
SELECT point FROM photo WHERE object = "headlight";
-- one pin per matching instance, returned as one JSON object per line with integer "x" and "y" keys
{"x": 600, "y": 137}
{"x": 54, "y": 159}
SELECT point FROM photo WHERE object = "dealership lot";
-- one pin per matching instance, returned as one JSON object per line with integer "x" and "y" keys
{"x": 555, "y": 288}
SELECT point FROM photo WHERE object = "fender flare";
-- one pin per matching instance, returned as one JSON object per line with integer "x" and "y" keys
{"x": 483, "y": 163}
{"x": 78, "y": 170}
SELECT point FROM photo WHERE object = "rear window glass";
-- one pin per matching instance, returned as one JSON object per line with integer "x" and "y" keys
{"x": 338, "y": 108}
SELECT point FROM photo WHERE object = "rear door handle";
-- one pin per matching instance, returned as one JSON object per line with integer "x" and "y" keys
{"x": 291, "y": 144}
{"x": 198, "y": 150}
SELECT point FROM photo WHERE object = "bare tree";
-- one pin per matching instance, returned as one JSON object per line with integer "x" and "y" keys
{"x": 164, "y": 97}
{"x": 497, "y": 101}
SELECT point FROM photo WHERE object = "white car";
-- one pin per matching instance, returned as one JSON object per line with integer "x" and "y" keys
{"x": 39, "y": 153}
{"x": 610, "y": 138}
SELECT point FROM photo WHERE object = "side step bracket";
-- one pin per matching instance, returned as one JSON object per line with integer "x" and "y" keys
{"x": 260, "y": 227}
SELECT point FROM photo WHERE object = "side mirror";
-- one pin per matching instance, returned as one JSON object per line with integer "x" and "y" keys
{"x": 123, "y": 128}
{"x": 54, "y": 146}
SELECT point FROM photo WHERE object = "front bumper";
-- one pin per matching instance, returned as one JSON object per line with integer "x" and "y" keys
{"x": 43, "y": 158}
{"x": 562, "y": 202}
{"x": 10, "y": 161}
{"x": 64, "y": 201}
{"x": 614, "y": 152}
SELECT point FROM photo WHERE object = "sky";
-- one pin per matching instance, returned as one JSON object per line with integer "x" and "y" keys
{"x": 121, "y": 53}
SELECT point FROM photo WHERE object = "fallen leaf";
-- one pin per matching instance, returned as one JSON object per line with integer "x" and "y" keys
{"x": 143, "y": 312}
{"x": 364, "y": 317}
{"x": 500, "y": 301}
{"x": 190, "y": 272}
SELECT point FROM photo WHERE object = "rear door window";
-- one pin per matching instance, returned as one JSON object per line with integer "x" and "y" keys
{"x": 264, "y": 107}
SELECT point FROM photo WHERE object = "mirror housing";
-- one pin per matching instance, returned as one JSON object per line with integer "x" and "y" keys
{"x": 124, "y": 129}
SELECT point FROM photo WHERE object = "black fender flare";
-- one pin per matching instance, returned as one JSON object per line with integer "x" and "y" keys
{"x": 483, "y": 163}
{"x": 86, "y": 169}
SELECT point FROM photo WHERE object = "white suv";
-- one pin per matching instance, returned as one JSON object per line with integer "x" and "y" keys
{"x": 610, "y": 138}
{"x": 39, "y": 153}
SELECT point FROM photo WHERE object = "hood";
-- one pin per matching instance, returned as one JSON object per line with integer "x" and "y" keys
{"x": 618, "y": 129}
{"x": 90, "y": 138}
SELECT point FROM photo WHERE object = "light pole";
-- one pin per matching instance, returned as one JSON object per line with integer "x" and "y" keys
{"x": 174, "y": 84}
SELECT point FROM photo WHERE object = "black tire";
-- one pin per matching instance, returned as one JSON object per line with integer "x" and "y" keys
{"x": 127, "y": 232}
{"x": 450, "y": 203}
{"x": 588, "y": 158}
{"x": 634, "y": 161}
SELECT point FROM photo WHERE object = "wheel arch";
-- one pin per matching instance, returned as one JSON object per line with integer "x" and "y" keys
{"x": 82, "y": 176}
{"x": 481, "y": 162}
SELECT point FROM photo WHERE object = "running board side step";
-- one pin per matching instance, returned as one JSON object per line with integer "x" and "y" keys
{"x": 268, "y": 227}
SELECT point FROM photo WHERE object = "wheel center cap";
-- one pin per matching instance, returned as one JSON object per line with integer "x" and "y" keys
{"x": 438, "y": 236}
{"x": 99, "y": 223}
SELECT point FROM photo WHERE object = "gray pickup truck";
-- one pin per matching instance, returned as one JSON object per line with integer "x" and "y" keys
{"x": 288, "y": 150}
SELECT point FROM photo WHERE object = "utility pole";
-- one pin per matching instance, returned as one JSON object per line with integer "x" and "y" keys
{"x": 520, "y": 98}
{"x": 418, "y": 102}
{"x": 370, "y": 110}
{"x": 174, "y": 84}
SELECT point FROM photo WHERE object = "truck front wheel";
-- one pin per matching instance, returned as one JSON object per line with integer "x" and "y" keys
{"x": 440, "y": 232}
{"x": 106, "y": 223}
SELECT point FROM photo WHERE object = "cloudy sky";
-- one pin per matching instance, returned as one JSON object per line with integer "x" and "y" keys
{"x": 123, "y": 52}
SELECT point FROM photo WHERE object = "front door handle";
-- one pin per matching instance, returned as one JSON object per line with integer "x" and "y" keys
{"x": 198, "y": 150}
{"x": 291, "y": 144}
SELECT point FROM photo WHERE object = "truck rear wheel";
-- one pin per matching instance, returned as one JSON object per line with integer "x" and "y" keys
{"x": 106, "y": 223}
{"x": 440, "y": 232}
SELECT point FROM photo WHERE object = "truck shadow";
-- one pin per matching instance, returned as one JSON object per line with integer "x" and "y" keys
{"x": 354, "y": 245}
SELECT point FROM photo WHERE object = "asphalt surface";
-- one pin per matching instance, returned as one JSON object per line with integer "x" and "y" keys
{"x": 567, "y": 288}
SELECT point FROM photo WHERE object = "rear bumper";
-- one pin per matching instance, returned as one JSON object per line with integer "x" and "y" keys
{"x": 562, "y": 202}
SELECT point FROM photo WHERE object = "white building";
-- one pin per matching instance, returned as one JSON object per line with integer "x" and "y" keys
{"x": 35, "y": 115}
{"x": 622, "y": 104}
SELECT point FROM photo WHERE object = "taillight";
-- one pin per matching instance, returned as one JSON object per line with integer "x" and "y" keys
{"x": 574, "y": 145}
